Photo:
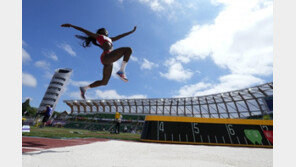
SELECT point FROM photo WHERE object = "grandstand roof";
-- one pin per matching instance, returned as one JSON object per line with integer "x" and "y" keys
{"x": 233, "y": 104}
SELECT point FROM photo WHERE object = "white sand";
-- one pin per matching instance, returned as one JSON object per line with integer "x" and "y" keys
{"x": 133, "y": 154}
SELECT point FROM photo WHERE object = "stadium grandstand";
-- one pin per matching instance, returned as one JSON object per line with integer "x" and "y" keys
{"x": 243, "y": 104}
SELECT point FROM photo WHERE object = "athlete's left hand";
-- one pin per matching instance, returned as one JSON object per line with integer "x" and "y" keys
{"x": 66, "y": 25}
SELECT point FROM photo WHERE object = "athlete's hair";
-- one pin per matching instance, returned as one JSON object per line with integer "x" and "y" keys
{"x": 102, "y": 31}
{"x": 87, "y": 39}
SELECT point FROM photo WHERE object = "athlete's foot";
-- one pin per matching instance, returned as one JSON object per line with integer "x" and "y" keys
{"x": 82, "y": 91}
{"x": 122, "y": 76}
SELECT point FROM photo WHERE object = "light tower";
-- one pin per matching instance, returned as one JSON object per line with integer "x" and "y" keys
{"x": 55, "y": 88}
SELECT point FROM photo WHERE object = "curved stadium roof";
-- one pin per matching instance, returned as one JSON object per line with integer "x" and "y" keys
{"x": 233, "y": 104}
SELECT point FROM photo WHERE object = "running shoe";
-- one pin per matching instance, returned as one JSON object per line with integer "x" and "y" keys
{"x": 82, "y": 91}
{"x": 122, "y": 76}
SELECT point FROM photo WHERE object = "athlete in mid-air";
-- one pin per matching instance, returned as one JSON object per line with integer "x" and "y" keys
{"x": 108, "y": 57}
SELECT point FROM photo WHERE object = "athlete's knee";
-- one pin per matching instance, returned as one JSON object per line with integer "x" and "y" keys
{"x": 104, "y": 82}
{"x": 129, "y": 50}
{"x": 99, "y": 83}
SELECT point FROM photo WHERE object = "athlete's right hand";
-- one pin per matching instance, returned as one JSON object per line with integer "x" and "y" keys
{"x": 66, "y": 25}
{"x": 134, "y": 29}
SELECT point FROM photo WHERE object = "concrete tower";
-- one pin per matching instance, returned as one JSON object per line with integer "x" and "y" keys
{"x": 55, "y": 88}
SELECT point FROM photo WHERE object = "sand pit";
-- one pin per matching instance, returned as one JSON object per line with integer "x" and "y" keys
{"x": 116, "y": 153}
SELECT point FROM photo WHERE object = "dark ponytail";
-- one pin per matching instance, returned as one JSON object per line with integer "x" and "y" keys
{"x": 87, "y": 40}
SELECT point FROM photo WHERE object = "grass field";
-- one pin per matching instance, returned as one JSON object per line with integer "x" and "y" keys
{"x": 53, "y": 132}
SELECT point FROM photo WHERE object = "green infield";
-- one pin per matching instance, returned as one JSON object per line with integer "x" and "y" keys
{"x": 54, "y": 132}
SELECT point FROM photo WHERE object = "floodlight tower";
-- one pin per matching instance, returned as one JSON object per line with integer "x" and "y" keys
{"x": 55, "y": 88}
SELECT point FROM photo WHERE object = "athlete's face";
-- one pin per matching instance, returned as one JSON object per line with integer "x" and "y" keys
{"x": 106, "y": 32}
{"x": 103, "y": 32}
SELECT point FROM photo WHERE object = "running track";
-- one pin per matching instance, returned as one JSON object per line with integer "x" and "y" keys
{"x": 38, "y": 144}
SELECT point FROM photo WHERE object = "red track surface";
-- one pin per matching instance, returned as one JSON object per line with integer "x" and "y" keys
{"x": 36, "y": 144}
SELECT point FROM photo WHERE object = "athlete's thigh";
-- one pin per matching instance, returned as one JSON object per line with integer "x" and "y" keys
{"x": 107, "y": 71}
{"x": 114, "y": 55}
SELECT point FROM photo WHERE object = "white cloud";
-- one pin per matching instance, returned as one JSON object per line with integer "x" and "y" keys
{"x": 173, "y": 10}
{"x": 137, "y": 96}
{"x": 75, "y": 95}
{"x": 51, "y": 55}
{"x": 227, "y": 83}
{"x": 107, "y": 94}
{"x": 79, "y": 83}
{"x": 134, "y": 59}
{"x": 168, "y": 2}
{"x": 176, "y": 71}
{"x": 28, "y": 80}
{"x": 67, "y": 48}
{"x": 190, "y": 90}
{"x": 157, "y": 5}
{"x": 153, "y": 4}
{"x": 148, "y": 65}
{"x": 240, "y": 39}
{"x": 112, "y": 94}
{"x": 145, "y": 64}
{"x": 25, "y": 56}
{"x": 42, "y": 64}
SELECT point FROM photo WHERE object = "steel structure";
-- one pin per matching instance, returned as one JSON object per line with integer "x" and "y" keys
{"x": 234, "y": 104}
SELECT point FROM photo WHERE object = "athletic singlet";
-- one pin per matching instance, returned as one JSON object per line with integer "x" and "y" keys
{"x": 48, "y": 111}
{"x": 102, "y": 39}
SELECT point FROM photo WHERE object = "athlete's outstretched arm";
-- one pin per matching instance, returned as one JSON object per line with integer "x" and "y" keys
{"x": 81, "y": 29}
{"x": 123, "y": 35}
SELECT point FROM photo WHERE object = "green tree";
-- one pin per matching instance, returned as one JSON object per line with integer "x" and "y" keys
{"x": 26, "y": 106}
{"x": 32, "y": 111}
{"x": 27, "y": 110}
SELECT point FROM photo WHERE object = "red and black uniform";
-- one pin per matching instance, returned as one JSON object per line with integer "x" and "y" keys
{"x": 102, "y": 39}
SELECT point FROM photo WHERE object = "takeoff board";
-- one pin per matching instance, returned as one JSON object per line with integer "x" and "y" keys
{"x": 208, "y": 131}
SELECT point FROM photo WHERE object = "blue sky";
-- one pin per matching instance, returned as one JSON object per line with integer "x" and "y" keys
{"x": 180, "y": 48}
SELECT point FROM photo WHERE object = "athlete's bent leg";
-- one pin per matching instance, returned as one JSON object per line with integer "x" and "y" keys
{"x": 107, "y": 71}
{"x": 117, "y": 54}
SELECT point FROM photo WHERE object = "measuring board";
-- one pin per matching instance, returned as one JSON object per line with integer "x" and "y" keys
{"x": 208, "y": 131}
